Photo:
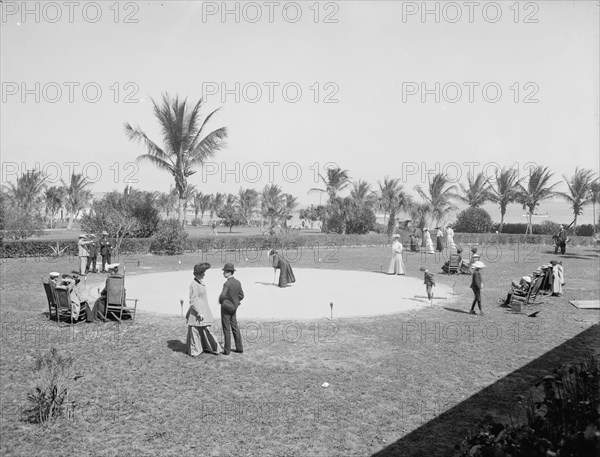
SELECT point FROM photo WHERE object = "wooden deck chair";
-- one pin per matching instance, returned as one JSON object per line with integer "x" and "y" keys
{"x": 116, "y": 302}
{"x": 454, "y": 264}
{"x": 63, "y": 302}
{"x": 519, "y": 299}
{"x": 51, "y": 296}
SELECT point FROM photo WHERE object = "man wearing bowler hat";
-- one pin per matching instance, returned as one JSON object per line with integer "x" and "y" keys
{"x": 230, "y": 299}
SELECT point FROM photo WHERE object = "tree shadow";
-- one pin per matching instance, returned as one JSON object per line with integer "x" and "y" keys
{"x": 455, "y": 310}
{"x": 438, "y": 436}
{"x": 177, "y": 346}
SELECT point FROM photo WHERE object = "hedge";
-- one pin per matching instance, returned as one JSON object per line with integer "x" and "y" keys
{"x": 44, "y": 248}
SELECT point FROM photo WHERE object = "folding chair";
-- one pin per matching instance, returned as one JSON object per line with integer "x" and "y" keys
{"x": 519, "y": 299}
{"x": 454, "y": 264}
{"x": 51, "y": 296}
{"x": 116, "y": 302}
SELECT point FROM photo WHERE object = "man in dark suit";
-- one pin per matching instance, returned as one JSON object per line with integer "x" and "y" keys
{"x": 230, "y": 299}
{"x": 92, "y": 257}
{"x": 105, "y": 250}
{"x": 477, "y": 285}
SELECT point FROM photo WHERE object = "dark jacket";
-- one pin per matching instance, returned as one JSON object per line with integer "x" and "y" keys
{"x": 232, "y": 295}
{"x": 476, "y": 282}
{"x": 105, "y": 247}
{"x": 428, "y": 278}
{"x": 93, "y": 249}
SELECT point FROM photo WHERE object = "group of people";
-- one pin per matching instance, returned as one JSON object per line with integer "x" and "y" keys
{"x": 88, "y": 248}
{"x": 83, "y": 299}
{"x": 440, "y": 235}
{"x": 200, "y": 337}
{"x": 552, "y": 282}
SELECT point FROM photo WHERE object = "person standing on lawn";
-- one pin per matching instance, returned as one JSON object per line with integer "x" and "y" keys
{"x": 83, "y": 253}
{"x": 476, "y": 286}
{"x": 439, "y": 240}
{"x": 105, "y": 251}
{"x": 396, "y": 264}
{"x": 92, "y": 256}
{"x": 199, "y": 317}
{"x": 429, "y": 283}
{"x": 286, "y": 274}
{"x": 230, "y": 298}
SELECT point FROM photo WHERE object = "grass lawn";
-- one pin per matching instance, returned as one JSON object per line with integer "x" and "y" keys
{"x": 404, "y": 384}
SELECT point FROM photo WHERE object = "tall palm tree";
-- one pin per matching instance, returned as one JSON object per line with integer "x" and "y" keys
{"x": 188, "y": 198}
{"x": 438, "y": 196}
{"x": 536, "y": 190}
{"x": 362, "y": 193}
{"x": 476, "y": 192}
{"x": 272, "y": 205}
{"x": 290, "y": 204}
{"x": 504, "y": 191}
{"x": 579, "y": 191}
{"x": 201, "y": 203}
{"x": 248, "y": 200}
{"x": 418, "y": 212}
{"x": 77, "y": 196}
{"x": 595, "y": 198}
{"x": 54, "y": 201}
{"x": 27, "y": 192}
{"x": 216, "y": 203}
{"x": 334, "y": 181}
{"x": 166, "y": 201}
{"x": 393, "y": 199}
{"x": 187, "y": 144}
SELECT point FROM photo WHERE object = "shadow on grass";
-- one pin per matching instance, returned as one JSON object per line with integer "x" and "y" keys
{"x": 455, "y": 310}
{"x": 438, "y": 436}
{"x": 177, "y": 346}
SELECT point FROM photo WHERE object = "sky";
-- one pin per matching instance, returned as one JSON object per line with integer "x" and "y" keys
{"x": 379, "y": 88}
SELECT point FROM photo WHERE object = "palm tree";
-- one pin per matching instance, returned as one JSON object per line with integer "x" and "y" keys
{"x": 166, "y": 201}
{"x": 248, "y": 199}
{"x": 290, "y": 204}
{"x": 505, "y": 191}
{"x": 579, "y": 191}
{"x": 27, "y": 192}
{"x": 200, "y": 204}
{"x": 216, "y": 203}
{"x": 393, "y": 199}
{"x": 477, "y": 191}
{"x": 595, "y": 198}
{"x": 272, "y": 205}
{"x": 535, "y": 191}
{"x": 186, "y": 143}
{"x": 438, "y": 195}
{"x": 77, "y": 196}
{"x": 335, "y": 181}
{"x": 362, "y": 193}
{"x": 54, "y": 201}
{"x": 188, "y": 197}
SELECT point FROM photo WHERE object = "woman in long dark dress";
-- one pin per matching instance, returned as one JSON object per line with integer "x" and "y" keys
{"x": 286, "y": 275}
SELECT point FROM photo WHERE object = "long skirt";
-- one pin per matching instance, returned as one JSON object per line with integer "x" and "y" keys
{"x": 201, "y": 339}
{"x": 396, "y": 265}
{"x": 429, "y": 247}
{"x": 440, "y": 246}
{"x": 286, "y": 275}
{"x": 450, "y": 242}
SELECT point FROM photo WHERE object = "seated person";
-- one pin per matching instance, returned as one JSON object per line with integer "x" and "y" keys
{"x": 69, "y": 282}
{"x": 446, "y": 266}
{"x": 522, "y": 287}
{"x": 100, "y": 305}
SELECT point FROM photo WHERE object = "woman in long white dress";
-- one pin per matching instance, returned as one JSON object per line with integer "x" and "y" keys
{"x": 396, "y": 264}
{"x": 428, "y": 243}
{"x": 450, "y": 238}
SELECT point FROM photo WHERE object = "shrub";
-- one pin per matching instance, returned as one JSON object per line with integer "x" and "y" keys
{"x": 547, "y": 228}
{"x": 170, "y": 238}
{"x": 348, "y": 216}
{"x": 473, "y": 220}
{"x": 563, "y": 420}
{"x": 19, "y": 224}
{"x": 54, "y": 376}
{"x": 585, "y": 230}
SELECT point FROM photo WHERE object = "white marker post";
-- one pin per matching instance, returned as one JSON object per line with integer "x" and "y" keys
{"x": 181, "y": 303}
{"x": 331, "y": 306}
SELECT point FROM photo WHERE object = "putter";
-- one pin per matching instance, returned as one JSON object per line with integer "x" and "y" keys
{"x": 274, "y": 271}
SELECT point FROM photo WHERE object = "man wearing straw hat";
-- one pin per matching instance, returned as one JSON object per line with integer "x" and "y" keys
{"x": 82, "y": 252}
{"x": 477, "y": 285}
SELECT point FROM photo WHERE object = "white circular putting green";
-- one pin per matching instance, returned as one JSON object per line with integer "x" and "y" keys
{"x": 353, "y": 293}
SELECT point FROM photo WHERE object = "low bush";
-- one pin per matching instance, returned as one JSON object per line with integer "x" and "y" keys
{"x": 473, "y": 220}
{"x": 562, "y": 420}
{"x": 54, "y": 376}
{"x": 170, "y": 238}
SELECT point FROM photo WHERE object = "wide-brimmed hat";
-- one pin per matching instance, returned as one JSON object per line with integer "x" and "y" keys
{"x": 422, "y": 269}
{"x": 478, "y": 264}
{"x": 272, "y": 251}
{"x": 54, "y": 274}
{"x": 229, "y": 267}
{"x": 82, "y": 235}
{"x": 105, "y": 233}
{"x": 112, "y": 266}
{"x": 200, "y": 268}
{"x": 395, "y": 235}
{"x": 527, "y": 278}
